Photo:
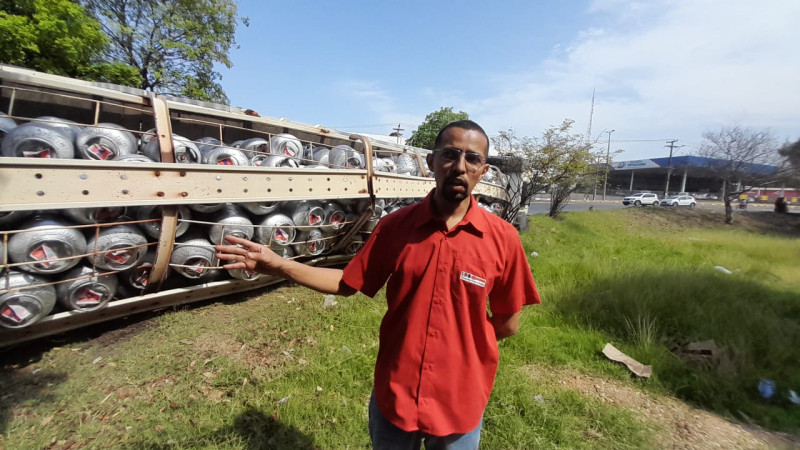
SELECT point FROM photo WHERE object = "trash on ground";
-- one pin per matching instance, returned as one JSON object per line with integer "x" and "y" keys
{"x": 283, "y": 400}
{"x": 634, "y": 366}
{"x": 330, "y": 301}
{"x": 766, "y": 387}
{"x": 723, "y": 270}
{"x": 793, "y": 397}
{"x": 534, "y": 254}
{"x": 538, "y": 398}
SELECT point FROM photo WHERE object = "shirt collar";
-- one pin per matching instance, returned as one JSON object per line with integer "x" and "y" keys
{"x": 475, "y": 217}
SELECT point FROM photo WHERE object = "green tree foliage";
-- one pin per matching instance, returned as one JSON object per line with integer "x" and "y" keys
{"x": 553, "y": 163}
{"x": 425, "y": 134}
{"x": 172, "y": 44}
{"x": 56, "y": 36}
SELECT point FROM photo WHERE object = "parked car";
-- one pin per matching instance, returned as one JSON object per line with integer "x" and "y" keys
{"x": 679, "y": 200}
{"x": 642, "y": 198}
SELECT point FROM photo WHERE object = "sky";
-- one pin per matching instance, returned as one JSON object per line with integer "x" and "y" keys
{"x": 659, "y": 69}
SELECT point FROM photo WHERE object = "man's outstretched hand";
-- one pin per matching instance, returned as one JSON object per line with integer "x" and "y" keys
{"x": 244, "y": 254}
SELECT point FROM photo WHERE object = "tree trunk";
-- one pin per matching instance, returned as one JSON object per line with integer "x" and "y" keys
{"x": 728, "y": 211}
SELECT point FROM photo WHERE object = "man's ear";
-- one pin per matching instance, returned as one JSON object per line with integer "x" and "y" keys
{"x": 429, "y": 159}
{"x": 485, "y": 169}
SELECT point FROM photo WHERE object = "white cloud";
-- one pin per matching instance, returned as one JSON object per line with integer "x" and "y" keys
{"x": 662, "y": 69}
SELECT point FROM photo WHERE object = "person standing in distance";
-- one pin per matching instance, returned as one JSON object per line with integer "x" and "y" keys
{"x": 442, "y": 258}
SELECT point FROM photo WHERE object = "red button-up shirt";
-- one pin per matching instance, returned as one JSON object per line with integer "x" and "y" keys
{"x": 438, "y": 353}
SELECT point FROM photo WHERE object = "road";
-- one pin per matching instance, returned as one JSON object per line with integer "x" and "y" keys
{"x": 577, "y": 203}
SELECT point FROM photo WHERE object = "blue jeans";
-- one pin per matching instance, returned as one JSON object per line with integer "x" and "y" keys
{"x": 386, "y": 436}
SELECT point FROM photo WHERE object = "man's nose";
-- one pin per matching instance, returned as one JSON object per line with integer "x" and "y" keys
{"x": 460, "y": 164}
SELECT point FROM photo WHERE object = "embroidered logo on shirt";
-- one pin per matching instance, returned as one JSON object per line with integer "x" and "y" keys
{"x": 474, "y": 279}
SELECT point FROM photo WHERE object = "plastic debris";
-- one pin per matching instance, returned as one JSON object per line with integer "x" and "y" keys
{"x": 347, "y": 349}
{"x": 283, "y": 400}
{"x": 534, "y": 254}
{"x": 723, "y": 270}
{"x": 766, "y": 388}
{"x": 793, "y": 397}
{"x": 538, "y": 398}
{"x": 319, "y": 388}
{"x": 330, "y": 301}
{"x": 634, "y": 366}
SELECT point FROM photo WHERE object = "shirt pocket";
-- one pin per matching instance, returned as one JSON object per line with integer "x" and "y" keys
{"x": 471, "y": 281}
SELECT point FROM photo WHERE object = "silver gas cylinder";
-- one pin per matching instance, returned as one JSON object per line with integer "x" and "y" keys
{"x": 139, "y": 275}
{"x": 87, "y": 216}
{"x": 321, "y": 155}
{"x": 104, "y": 142}
{"x": 256, "y": 145}
{"x": 88, "y": 292}
{"x": 22, "y": 305}
{"x": 205, "y": 208}
{"x": 118, "y": 247}
{"x": 6, "y": 125}
{"x": 406, "y": 164}
{"x": 384, "y": 165}
{"x": 8, "y": 218}
{"x": 285, "y": 144}
{"x": 345, "y": 157}
{"x": 279, "y": 161}
{"x": 69, "y": 128}
{"x": 276, "y": 230}
{"x": 36, "y": 140}
{"x": 145, "y": 138}
{"x": 244, "y": 274}
{"x": 305, "y": 214}
{"x": 230, "y": 221}
{"x": 196, "y": 253}
{"x": 184, "y": 150}
{"x": 47, "y": 245}
{"x": 134, "y": 157}
{"x": 153, "y": 229}
{"x": 261, "y": 208}
{"x": 353, "y": 246}
{"x": 310, "y": 243}
{"x": 335, "y": 217}
{"x": 225, "y": 156}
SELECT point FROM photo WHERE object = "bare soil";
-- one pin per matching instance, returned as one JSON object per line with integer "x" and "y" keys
{"x": 678, "y": 425}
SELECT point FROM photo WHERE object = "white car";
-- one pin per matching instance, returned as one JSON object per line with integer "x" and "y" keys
{"x": 679, "y": 200}
{"x": 643, "y": 198}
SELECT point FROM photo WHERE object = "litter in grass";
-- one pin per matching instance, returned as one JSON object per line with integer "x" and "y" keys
{"x": 330, "y": 301}
{"x": 793, "y": 397}
{"x": 283, "y": 400}
{"x": 347, "y": 349}
{"x": 319, "y": 388}
{"x": 766, "y": 387}
{"x": 538, "y": 398}
{"x": 97, "y": 360}
{"x": 534, "y": 254}
{"x": 723, "y": 270}
{"x": 634, "y": 366}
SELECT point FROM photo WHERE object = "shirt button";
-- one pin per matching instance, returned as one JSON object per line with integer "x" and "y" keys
{"x": 432, "y": 333}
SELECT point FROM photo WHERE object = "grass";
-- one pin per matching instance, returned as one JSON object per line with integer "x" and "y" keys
{"x": 276, "y": 370}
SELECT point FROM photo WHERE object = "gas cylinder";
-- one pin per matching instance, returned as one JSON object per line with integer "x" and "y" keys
{"x": 21, "y": 305}
{"x": 260, "y": 208}
{"x": 310, "y": 243}
{"x": 44, "y": 242}
{"x": 335, "y": 217}
{"x": 87, "y": 216}
{"x": 6, "y": 124}
{"x": 69, "y": 128}
{"x": 225, "y": 156}
{"x": 321, "y": 154}
{"x": 285, "y": 144}
{"x": 112, "y": 247}
{"x": 195, "y": 252}
{"x": 105, "y": 141}
{"x": 9, "y": 218}
{"x": 406, "y": 164}
{"x": 276, "y": 230}
{"x": 384, "y": 165}
{"x": 184, "y": 150}
{"x": 139, "y": 275}
{"x": 305, "y": 214}
{"x": 134, "y": 157}
{"x": 244, "y": 274}
{"x": 345, "y": 157}
{"x": 230, "y": 220}
{"x": 153, "y": 229}
{"x": 205, "y": 208}
{"x": 87, "y": 293}
{"x": 278, "y": 161}
{"x": 354, "y": 246}
{"x": 37, "y": 140}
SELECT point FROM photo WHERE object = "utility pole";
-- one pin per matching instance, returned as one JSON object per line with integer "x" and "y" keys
{"x": 608, "y": 155}
{"x": 397, "y": 132}
{"x": 671, "y": 145}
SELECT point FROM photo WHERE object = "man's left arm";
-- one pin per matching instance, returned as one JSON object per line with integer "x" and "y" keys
{"x": 505, "y": 325}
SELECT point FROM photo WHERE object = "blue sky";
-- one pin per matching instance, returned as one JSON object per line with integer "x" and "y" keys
{"x": 662, "y": 69}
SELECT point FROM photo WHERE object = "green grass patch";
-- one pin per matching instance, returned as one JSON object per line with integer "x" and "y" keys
{"x": 275, "y": 370}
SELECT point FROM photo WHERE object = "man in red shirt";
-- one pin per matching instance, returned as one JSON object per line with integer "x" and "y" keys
{"x": 442, "y": 258}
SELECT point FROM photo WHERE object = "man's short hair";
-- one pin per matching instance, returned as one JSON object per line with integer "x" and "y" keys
{"x": 465, "y": 124}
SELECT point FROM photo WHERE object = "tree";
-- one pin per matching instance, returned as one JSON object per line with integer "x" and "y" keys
{"x": 172, "y": 44}
{"x": 791, "y": 162}
{"x": 554, "y": 163}
{"x": 744, "y": 159}
{"x": 425, "y": 134}
{"x": 56, "y": 36}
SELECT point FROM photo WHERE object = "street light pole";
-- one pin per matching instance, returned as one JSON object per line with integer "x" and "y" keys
{"x": 608, "y": 155}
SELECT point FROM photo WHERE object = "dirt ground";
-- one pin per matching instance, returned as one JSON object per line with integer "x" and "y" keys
{"x": 678, "y": 425}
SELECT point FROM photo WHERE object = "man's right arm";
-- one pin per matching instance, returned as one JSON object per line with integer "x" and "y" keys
{"x": 247, "y": 255}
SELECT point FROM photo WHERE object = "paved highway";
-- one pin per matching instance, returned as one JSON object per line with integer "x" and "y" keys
{"x": 578, "y": 203}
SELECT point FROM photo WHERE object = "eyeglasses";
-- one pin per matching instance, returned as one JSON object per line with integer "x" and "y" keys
{"x": 473, "y": 160}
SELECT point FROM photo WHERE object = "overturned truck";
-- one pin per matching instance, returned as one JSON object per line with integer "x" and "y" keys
{"x": 111, "y": 198}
